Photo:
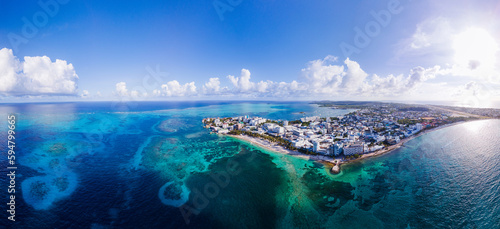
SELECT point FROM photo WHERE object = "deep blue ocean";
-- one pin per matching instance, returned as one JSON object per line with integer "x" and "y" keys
{"x": 153, "y": 165}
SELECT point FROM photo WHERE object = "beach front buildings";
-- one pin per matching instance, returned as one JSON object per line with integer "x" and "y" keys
{"x": 357, "y": 148}
{"x": 365, "y": 130}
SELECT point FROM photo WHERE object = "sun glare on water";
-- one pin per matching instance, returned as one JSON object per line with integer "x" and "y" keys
{"x": 475, "y": 126}
{"x": 474, "y": 48}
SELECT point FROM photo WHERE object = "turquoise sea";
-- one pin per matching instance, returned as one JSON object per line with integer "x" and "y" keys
{"x": 153, "y": 165}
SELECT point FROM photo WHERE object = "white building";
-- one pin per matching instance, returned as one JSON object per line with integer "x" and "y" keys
{"x": 380, "y": 138}
{"x": 298, "y": 132}
{"x": 316, "y": 146}
{"x": 271, "y": 126}
{"x": 337, "y": 148}
{"x": 223, "y": 131}
{"x": 418, "y": 127}
{"x": 357, "y": 148}
{"x": 309, "y": 133}
{"x": 278, "y": 129}
{"x": 257, "y": 121}
{"x": 310, "y": 119}
{"x": 301, "y": 143}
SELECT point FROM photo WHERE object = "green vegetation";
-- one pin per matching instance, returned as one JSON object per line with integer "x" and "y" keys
{"x": 294, "y": 122}
{"x": 277, "y": 140}
{"x": 271, "y": 121}
{"x": 407, "y": 121}
{"x": 353, "y": 156}
{"x": 210, "y": 123}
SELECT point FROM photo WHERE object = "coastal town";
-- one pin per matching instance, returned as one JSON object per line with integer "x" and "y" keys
{"x": 367, "y": 130}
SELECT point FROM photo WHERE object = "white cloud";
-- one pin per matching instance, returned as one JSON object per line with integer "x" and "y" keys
{"x": 121, "y": 89}
{"x": 430, "y": 43}
{"x": 46, "y": 77}
{"x": 262, "y": 86}
{"x": 322, "y": 79}
{"x": 321, "y": 76}
{"x": 420, "y": 74}
{"x": 10, "y": 68}
{"x": 85, "y": 94}
{"x": 212, "y": 87}
{"x": 36, "y": 76}
{"x": 242, "y": 83}
{"x": 283, "y": 89}
{"x": 134, "y": 93}
{"x": 435, "y": 31}
{"x": 332, "y": 81}
{"x": 390, "y": 85}
{"x": 353, "y": 77}
{"x": 244, "y": 87}
{"x": 174, "y": 88}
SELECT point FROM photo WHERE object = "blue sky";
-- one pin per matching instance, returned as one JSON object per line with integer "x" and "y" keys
{"x": 265, "y": 45}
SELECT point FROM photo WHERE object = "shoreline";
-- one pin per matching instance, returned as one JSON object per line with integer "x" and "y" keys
{"x": 282, "y": 150}
{"x": 391, "y": 148}
{"x": 335, "y": 163}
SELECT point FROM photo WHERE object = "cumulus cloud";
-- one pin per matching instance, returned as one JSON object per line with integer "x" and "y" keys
{"x": 121, "y": 89}
{"x": 242, "y": 83}
{"x": 322, "y": 76}
{"x": 36, "y": 76}
{"x": 385, "y": 86}
{"x": 325, "y": 78}
{"x": 46, "y": 77}
{"x": 263, "y": 86}
{"x": 283, "y": 89}
{"x": 353, "y": 77}
{"x": 174, "y": 88}
{"x": 10, "y": 69}
{"x": 212, "y": 87}
{"x": 243, "y": 86}
{"x": 134, "y": 93}
{"x": 321, "y": 79}
{"x": 420, "y": 74}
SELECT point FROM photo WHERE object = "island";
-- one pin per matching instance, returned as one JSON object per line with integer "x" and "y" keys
{"x": 374, "y": 128}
